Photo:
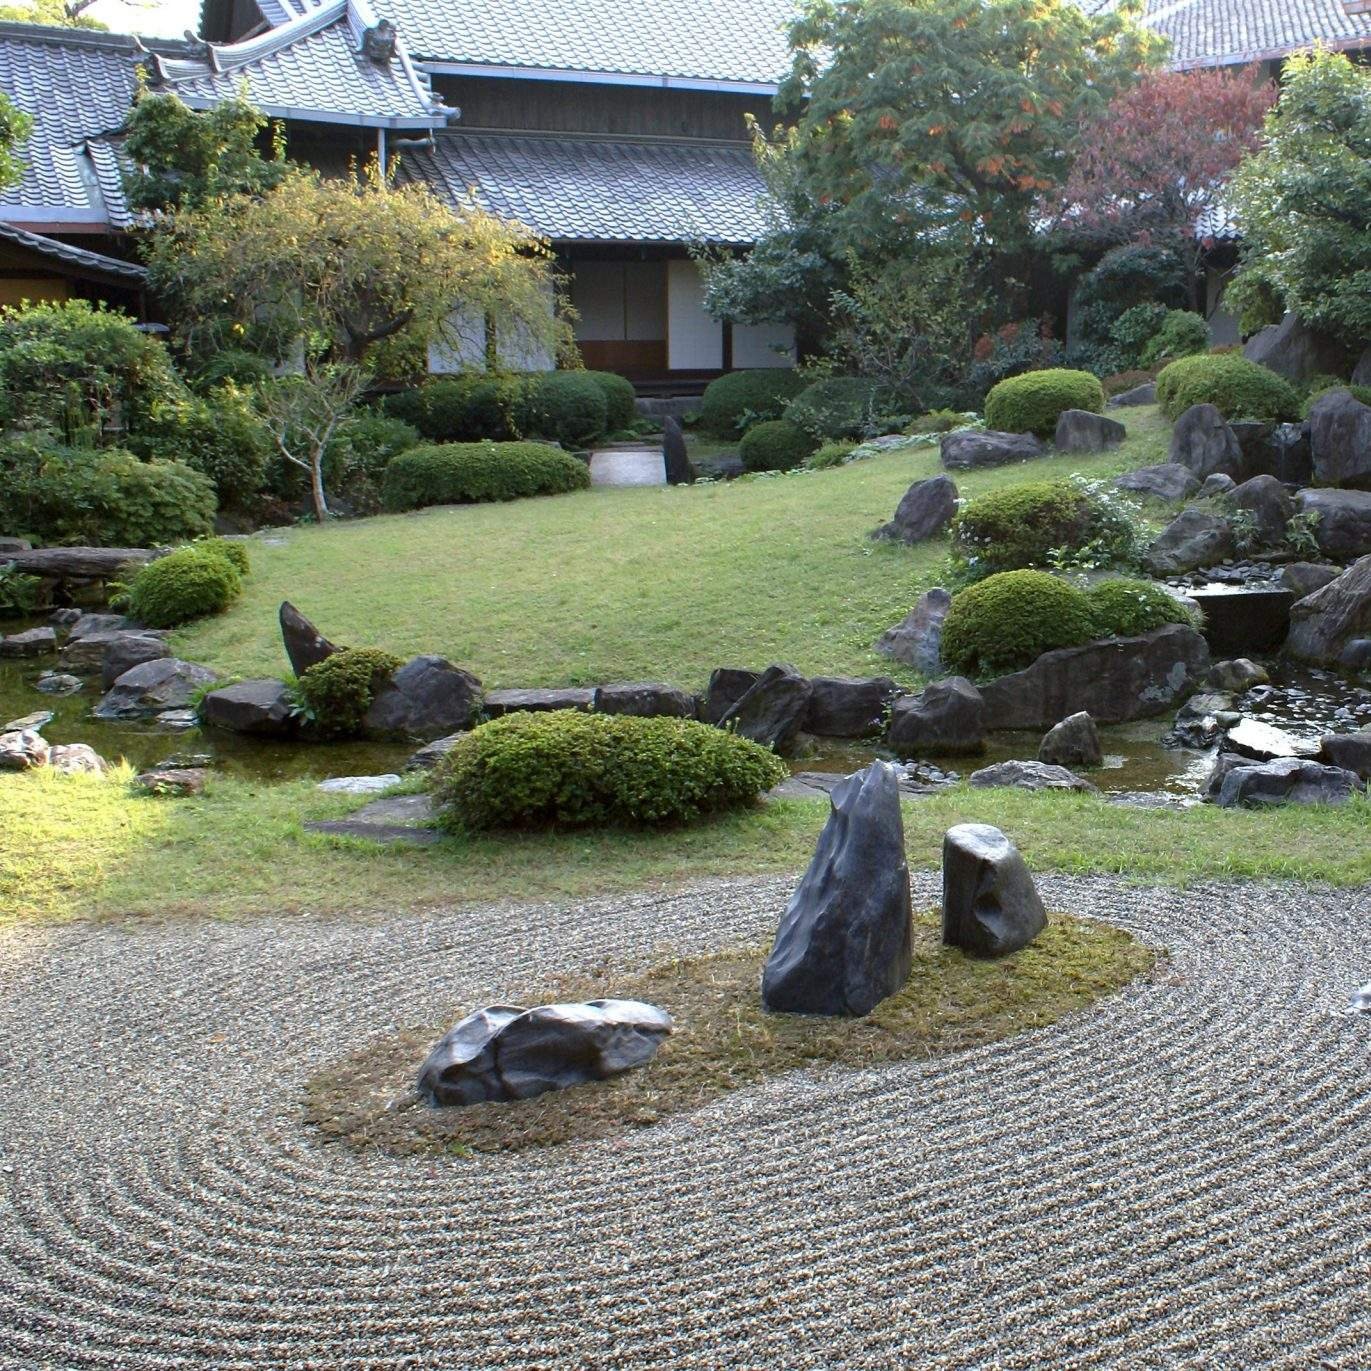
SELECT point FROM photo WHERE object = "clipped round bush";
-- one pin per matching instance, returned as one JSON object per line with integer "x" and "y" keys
{"x": 777, "y": 445}
{"x": 459, "y": 409}
{"x": 364, "y": 446}
{"x": 187, "y": 584}
{"x": 464, "y": 473}
{"x": 621, "y": 407}
{"x": 839, "y": 407}
{"x": 338, "y": 691}
{"x": 1009, "y": 620}
{"x": 1238, "y": 388}
{"x": 1033, "y": 402}
{"x": 733, "y": 403}
{"x": 833, "y": 454}
{"x": 573, "y": 769}
{"x": 230, "y": 548}
{"x": 1183, "y": 334}
{"x": 1126, "y": 607}
{"x": 567, "y": 406}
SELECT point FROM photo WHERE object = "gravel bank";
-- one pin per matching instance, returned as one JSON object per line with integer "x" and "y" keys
{"x": 1178, "y": 1177}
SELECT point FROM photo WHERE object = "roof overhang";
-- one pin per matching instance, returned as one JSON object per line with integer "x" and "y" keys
{"x": 1244, "y": 59}
{"x": 595, "y": 78}
{"x": 318, "y": 116}
{"x": 79, "y": 262}
{"x": 56, "y": 219}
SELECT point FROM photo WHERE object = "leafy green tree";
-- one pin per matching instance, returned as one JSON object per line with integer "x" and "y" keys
{"x": 67, "y": 14}
{"x": 15, "y": 126}
{"x": 1303, "y": 201}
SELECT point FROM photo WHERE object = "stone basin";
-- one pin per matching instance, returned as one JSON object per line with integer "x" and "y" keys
{"x": 1243, "y": 620}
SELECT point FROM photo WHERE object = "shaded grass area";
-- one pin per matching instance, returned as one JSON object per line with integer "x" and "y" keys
{"x": 723, "y": 1039}
{"x": 606, "y": 584}
{"x": 73, "y": 847}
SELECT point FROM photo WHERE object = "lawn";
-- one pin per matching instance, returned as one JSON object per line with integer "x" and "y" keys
{"x": 625, "y": 584}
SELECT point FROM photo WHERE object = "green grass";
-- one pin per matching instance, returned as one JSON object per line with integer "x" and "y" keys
{"x": 625, "y": 584}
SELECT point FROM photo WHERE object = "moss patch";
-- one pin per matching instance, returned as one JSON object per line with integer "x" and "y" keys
{"x": 725, "y": 1041}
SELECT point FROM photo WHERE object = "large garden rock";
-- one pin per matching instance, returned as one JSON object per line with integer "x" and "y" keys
{"x": 88, "y": 654}
{"x": 151, "y": 687}
{"x": 88, "y": 624}
{"x": 1194, "y": 538}
{"x": 32, "y": 642}
{"x": 1201, "y": 720}
{"x": 946, "y": 718}
{"x": 917, "y": 641}
{"x": 1348, "y": 751}
{"x": 1324, "y": 624}
{"x": 1115, "y": 680}
{"x": 128, "y": 649}
{"x": 1236, "y": 676}
{"x": 1288, "y": 780}
{"x": 680, "y": 471}
{"x": 1145, "y": 394}
{"x": 1304, "y": 578}
{"x": 80, "y": 563}
{"x": 727, "y": 685}
{"x": 305, "y": 645}
{"x": 425, "y": 698}
{"x": 76, "y": 759}
{"x": 260, "y": 708}
{"x": 179, "y": 782}
{"x": 1028, "y": 776}
{"x": 1340, "y": 440}
{"x": 644, "y": 699}
{"x": 1262, "y": 742}
{"x": 428, "y": 756}
{"x": 1170, "y": 482}
{"x": 971, "y": 449}
{"x": 1080, "y": 430}
{"x": 1073, "y": 742}
{"x": 1296, "y": 351}
{"x": 508, "y": 1053}
{"x": 990, "y": 904}
{"x": 23, "y": 750}
{"x": 1342, "y": 526}
{"x": 499, "y": 702}
{"x": 9, "y": 546}
{"x": 925, "y": 509}
{"x": 845, "y": 940}
{"x": 1266, "y": 500}
{"x": 1203, "y": 443}
{"x": 773, "y": 710}
{"x": 848, "y": 706}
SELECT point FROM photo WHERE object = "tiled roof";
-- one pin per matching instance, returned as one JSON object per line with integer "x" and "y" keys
{"x": 730, "y": 41}
{"x": 81, "y": 258}
{"x": 587, "y": 190}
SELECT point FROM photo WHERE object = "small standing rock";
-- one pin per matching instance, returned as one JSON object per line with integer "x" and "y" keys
{"x": 23, "y": 750}
{"x": 180, "y": 782}
{"x": 1080, "y": 430}
{"x": 305, "y": 645}
{"x": 917, "y": 640}
{"x": 990, "y": 904}
{"x": 925, "y": 509}
{"x": 1236, "y": 676}
{"x": 1073, "y": 742}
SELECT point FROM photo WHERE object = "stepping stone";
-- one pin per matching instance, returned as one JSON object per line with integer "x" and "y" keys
{"x": 359, "y": 785}
{"x": 396, "y": 819}
{"x": 628, "y": 467}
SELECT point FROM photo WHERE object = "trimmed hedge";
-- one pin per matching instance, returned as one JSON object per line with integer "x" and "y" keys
{"x": 839, "y": 407}
{"x": 187, "y": 584}
{"x": 464, "y": 473}
{"x": 1126, "y": 607}
{"x": 1238, "y": 388}
{"x": 1008, "y": 621}
{"x": 1182, "y": 334}
{"x": 574, "y": 769}
{"x": 567, "y": 406}
{"x": 777, "y": 445}
{"x": 1033, "y": 402}
{"x": 460, "y": 409}
{"x": 621, "y": 400}
{"x": 741, "y": 398}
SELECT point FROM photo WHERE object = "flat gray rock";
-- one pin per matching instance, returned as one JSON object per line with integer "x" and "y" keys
{"x": 1264, "y": 742}
{"x": 38, "y": 719}
{"x": 1029, "y": 776}
{"x": 990, "y": 905}
{"x": 499, "y": 702}
{"x": 1287, "y": 780}
{"x": 644, "y": 700}
{"x": 359, "y": 785}
{"x": 1168, "y": 482}
{"x": 58, "y": 683}
{"x": 260, "y": 708}
{"x": 32, "y": 642}
{"x": 972, "y": 449}
{"x": 428, "y": 756}
{"x": 166, "y": 683}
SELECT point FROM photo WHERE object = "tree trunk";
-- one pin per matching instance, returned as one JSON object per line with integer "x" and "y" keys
{"x": 316, "y": 484}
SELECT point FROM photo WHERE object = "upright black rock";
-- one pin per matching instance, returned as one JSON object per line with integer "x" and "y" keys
{"x": 845, "y": 941}
{"x": 680, "y": 471}
{"x": 305, "y": 645}
{"x": 773, "y": 709}
{"x": 990, "y": 904}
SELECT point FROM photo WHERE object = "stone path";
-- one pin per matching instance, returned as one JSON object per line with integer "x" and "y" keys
{"x": 628, "y": 466}
{"x": 1178, "y": 1177}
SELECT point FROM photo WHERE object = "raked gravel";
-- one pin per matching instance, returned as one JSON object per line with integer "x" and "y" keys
{"x": 1178, "y": 1177}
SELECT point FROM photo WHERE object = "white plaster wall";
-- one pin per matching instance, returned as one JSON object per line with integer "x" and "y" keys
{"x": 465, "y": 347}
{"x": 518, "y": 351}
{"x": 763, "y": 345}
{"x": 695, "y": 342}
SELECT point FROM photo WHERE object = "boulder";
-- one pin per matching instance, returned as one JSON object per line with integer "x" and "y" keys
{"x": 1145, "y": 394}
{"x": 38, "y": 720}
{"x": 58, "y": 683}
{"x": 1080, "y": 430}
{"x": 305, "y": 645}
{"x": 1114, "y": 680}
{"x": 1237, "y": 675}
{"x": 1264, "y": 742}
{"x": 151, "y": 687}
{"x": 772, "y": 712}
{"x": 87, "y": 654}
{"x": 644, "y": 699}
{"x": 1170, "y": 482}
{"x": 80, "y": 563}
{"x": 1348, "y": 751}
{"x": 499, "y": 702}
{"x": 23, "y": 750}
{"x": 177, "y": 781}
{"x": 924, "y": 511}
{"x": 1359, "y": 1002}
{"x": 971, "y": 449}
{"x": 727, "y": 685}
{"x": 990, "y": 904}
{"x": 31, "y": 642}
{"x": 675, "y": 454}
{"x": 261, "y": 708}
{"x": 946, "y": 718}
{"x": 1287, "y": 780}
{"x": 178, "y": 720}
{"x": 428, "y": 697}
{"x": 1266, "y": 500}
{"x": 1296, "y": 351}
{"x": 1340, "y": 440}
{"x": 917, "y": 640}
{"x": 1029, "y": 776}
{"x": 845, "y": 941}
{"x": 64, "y": 618}
{"x": 506, "y": 1053}
{"x": 1217, "y": 484}
{"x": 125, "y": 650}
{"x": 9, "y": 546}
{"x": 1203, "y": 443}
{"x": 428, "y": 756}
{"x": 1243, "y": 618}
{"x": 1194, "y": 538}
{"x": 359, "y": 785}
{"x": 1304, "y": 578}
{"x": 1073, "y": 742}
{"x": 1255, "y": 443}
{"x": 848, "y": 706}
{"x": 1324, "y": 624}
{"x": 72, "y": 759}
{"x": 1201, "y": 720}
{"x": 88, "y": 624}
{"x": 1342, "y": 526}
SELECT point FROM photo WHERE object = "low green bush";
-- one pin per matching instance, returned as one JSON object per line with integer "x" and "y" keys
{"x": 1126, "y": 607}
{"x": 243, "y": 368}
{"x": 776, "y": 445}
{"x": 621, "y": 400}
{"x": 460, "y": 409}
{"x": 235, "y": 550}
{"x": 363, "y": 447}
{"x": 1135, "y": 328}
{"x": 100, "y": 498}
{"x": 830, "y": 455}
{"x": 464, "y": 473}
{"x": 187, "y": 584}
{"x": 1182, "y": 334}
{"x": 567, "y": 768}
{"x": 938, "y": 421}
{"x": 734, "y": 403}
{"x": 1321, "y": 385}
{"x": 1009, "y": 620}
{"x": 1033, "y": 402}
{"x": 337, "y": 692}
{"x": 843, "y": 407}
{"x": 1240, "y": 389}
{"x": 568, "y": 407}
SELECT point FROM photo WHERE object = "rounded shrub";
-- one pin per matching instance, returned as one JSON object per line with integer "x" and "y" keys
{"x": 621, "y": 400}
{"x": 238, "y": 365}
{"x": 1009, "y": 620}
{"x": 187, "y": 584}
{"x": 1033, "y": 402}
{"x": 733, "y": 403}
{"x": 230, "y": 548}
{"x": 364, "y": 446}
{"x": 777, "y": 445}
{"x": 1126, "y": 607}
{"x": 464, "y": 473}
{"x": 567, "y": 406}
{"x": 1183, "y": 333}
{"x": 573, "y": 769}
{"x": 460, "y": 409}
{"x": 1238, "y": 388}
{"x": 833, "y": 454}
{"x": 1321, "y": 385}
{"x": 338, "y": 691}
{"x": 839, "y": 407}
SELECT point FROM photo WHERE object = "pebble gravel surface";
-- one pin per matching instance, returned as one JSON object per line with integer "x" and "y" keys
{"x": 1177, "y": 1177}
